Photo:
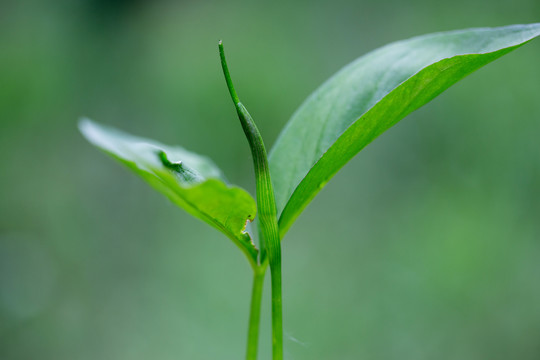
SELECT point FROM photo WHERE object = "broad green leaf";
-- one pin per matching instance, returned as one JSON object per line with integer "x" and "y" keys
{"x": 191, "y": 181}
{"x": 369, "y": 96}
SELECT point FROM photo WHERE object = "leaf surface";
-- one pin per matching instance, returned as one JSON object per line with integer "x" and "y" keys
{"x": 190, "y": 180}
{"x": 369, "y": 96}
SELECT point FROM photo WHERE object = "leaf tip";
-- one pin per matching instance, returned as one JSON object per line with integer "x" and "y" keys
{"x": 86, "y": 127}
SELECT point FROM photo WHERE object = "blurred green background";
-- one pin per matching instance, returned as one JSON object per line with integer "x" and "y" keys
{"x": 425, "y": 246}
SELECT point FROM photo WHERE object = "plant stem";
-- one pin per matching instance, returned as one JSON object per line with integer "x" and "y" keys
{"x": 255, "y": 313}
{"x": 277, "y": 314}
{"x": 266, "y": 207}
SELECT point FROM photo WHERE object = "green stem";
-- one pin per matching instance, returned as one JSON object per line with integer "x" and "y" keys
{"x": 266, "y": 207}
{"x": 277, "y": 315}
{"x": 255, "y": 313}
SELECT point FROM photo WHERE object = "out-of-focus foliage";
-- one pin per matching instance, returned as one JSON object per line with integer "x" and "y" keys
{"x": 95, "y": 265}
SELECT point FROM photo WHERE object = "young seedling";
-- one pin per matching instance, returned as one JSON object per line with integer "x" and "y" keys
{"x": 339, "y": 119}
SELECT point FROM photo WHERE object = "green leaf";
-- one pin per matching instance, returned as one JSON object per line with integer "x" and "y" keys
{"x": 369, "y": 96}
{"x": 191, "y": 181}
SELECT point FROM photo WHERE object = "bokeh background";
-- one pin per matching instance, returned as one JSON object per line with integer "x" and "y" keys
{"x": 425, "y": 246}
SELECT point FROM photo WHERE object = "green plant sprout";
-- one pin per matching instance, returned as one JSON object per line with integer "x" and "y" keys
{"x": 339, "y": 119}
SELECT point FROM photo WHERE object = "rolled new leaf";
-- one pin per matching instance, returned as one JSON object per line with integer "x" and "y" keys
{"x": 369, "y": 96}
{"x": 190, "y": 180}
